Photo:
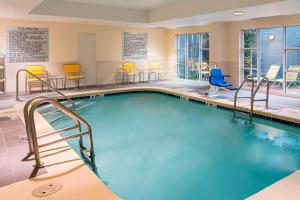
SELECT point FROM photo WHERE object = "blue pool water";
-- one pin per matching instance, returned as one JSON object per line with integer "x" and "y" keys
{"x": 153, "y": 146}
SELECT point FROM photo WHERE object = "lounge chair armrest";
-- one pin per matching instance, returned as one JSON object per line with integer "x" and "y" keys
{"x": 292, "y": 71}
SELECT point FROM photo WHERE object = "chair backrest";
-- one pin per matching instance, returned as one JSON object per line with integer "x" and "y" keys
{"x": 216, "y": 75}
{"x": 292, "y": 76}
{"x": 154, "y": 66}
{"x": 272, "y": 72}
{"x": 202, "y": 66}
{"x": 72, "y": 68}
{"x": 38, "y": 70}
{"x": 129, "y": 66}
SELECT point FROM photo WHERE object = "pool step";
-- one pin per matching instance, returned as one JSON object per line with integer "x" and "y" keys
{"x": 52, "y": 114}
{"x": 242, "y": 115}
{"x": 88, "y": 158}
{"x": 50, "y": 107}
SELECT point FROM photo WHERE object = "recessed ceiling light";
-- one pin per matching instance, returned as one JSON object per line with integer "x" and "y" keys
{"x": 151, "y": 26}
{"x": 238, "y": 13}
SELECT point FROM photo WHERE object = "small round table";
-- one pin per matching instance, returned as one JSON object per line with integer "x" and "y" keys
{"x": 54, "y": 79}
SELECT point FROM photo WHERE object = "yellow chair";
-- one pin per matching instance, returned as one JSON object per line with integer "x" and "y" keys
{"x": 129, "y": 70}
{"x": 73, "y": 72}
{"x": 291, "y": 76}
{"x": 155, "y": 68}
{"x": 38, "y": 71}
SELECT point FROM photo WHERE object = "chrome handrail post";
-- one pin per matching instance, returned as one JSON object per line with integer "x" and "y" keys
{"x": 91, "y": 144}
{"x": 28, "y": 127}
{"x": 252, "y": 97}
{"x": 79, "y": 131}
{"x": 38, "y": 162}
{"x": 17, "y": 86}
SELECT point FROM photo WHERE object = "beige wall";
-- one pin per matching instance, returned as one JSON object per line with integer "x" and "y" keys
{"x": 225, "y": 41}
{"x": 224, "y": 45}
{"x": 63, "y": 48}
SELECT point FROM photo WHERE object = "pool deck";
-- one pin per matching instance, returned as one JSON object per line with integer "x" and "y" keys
{"x": 68, "y": 171}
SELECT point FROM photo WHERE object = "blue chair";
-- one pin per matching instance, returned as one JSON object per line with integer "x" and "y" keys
{"x": 217, "y": 79}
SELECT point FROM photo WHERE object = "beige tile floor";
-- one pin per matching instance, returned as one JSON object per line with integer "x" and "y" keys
{"x": 13, "y": 165}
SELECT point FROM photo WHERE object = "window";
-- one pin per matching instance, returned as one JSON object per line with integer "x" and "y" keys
{"x": 292, "y": 58}
{"x": 249, "y": 53}
{"x": 181, "y": 55}
{"x": 262, "y": 49}
{"x": 191, "y": 49}
{"x": 271, "y": 53}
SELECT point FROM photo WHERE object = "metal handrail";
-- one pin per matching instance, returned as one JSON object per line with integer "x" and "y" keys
{"x": 264, "y": 79}
{"x": 240, "y": 87}
{"x": 253, "y": 93}
{"x": 32, "y": 137}
{"x": 42, "y": 81}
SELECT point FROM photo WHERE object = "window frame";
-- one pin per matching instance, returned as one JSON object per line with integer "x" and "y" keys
{"x": 253, "y": 49}
{"x": 285, "y": 50}
{"x": 186, "y": 50}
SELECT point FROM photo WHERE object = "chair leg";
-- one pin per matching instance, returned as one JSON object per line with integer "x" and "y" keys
{"x": 289, "y": 85}
{"x": 78, "y": 83}
{"x": 67, "y": 84}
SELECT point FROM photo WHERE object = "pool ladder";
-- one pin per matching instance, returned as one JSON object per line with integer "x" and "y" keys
{"x": 32, "y": 137}
{"x": 253, "y": 94}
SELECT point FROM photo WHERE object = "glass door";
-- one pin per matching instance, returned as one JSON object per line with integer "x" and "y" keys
{"x": 193, "y": 55}
{"x": 271, "y": 57}
{"x": 292, "y": 57}
{"x": 262, "y": 56}
{"x": 192, "y": 51}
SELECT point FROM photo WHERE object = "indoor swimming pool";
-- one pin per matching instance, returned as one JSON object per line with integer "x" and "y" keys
{"x": 154, "y": 146}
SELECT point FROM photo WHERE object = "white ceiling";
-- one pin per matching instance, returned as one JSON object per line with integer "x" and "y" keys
{"x": 141, "y": 13}
{"x": 132, "y": 4}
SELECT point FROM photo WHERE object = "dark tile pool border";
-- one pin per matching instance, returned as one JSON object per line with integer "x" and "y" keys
{"x": 202, "y": 102}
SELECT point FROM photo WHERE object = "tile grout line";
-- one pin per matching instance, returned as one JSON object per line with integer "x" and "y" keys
{"x": 20, "y": 124}
{"x": 6, "y": 150}
{"x": 10, "y": 160}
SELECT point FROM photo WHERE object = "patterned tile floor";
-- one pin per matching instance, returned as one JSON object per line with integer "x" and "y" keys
{"x": 13, "y": 167}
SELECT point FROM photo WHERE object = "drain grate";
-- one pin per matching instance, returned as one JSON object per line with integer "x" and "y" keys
{"x": 46, "y": 190}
